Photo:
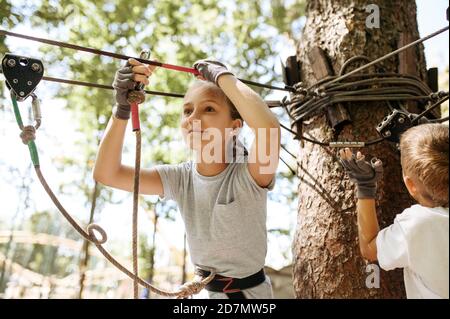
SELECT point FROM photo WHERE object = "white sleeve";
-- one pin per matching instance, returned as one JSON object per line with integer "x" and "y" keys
{"x": 392, "y": 247}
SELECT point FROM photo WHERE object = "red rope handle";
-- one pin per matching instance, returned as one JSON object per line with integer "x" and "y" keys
{"x": 180, "y": 68}
{"x": 135, "y": 117}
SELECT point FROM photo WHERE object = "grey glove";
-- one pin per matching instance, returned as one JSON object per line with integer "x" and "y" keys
{"x": 123, "y": 82}
{"x": 211, "y": 70}
{"x": 364, "y": 174}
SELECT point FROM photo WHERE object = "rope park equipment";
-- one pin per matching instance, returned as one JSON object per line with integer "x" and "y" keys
{"x": 356, "y": 87}
{"x": 326, "y": 92}
{"x": 309, "y": 101}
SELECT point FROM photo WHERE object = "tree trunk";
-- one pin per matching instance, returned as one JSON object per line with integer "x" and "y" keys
{"x": 327, "y": 261}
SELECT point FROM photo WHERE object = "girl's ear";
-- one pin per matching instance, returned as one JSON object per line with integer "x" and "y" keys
{"x": 237, "y": 124}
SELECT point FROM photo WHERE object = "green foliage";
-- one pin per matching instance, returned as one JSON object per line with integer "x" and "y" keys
{"x": 243, "y": 34}
{"x": 9, "y": 16}
{"x": 279, "y": 231}
{"x": 146, "y": 257}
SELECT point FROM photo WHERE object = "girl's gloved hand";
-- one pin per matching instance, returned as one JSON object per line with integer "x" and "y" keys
{"x": 211, "y": 70}
{"x": 125, "y": 80}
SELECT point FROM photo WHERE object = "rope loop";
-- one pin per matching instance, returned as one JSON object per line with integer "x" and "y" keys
{"x": 94, "y": 227}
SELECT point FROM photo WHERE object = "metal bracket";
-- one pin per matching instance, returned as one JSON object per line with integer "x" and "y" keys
{"x": 394, "y": 124}
{"x": 22, "y": 74}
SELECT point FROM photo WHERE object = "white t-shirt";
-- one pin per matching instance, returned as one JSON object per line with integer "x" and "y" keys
{"x": 418, "y": 242}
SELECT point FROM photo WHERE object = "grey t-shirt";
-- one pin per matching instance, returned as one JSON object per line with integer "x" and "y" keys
{"x": 224, "y": 216}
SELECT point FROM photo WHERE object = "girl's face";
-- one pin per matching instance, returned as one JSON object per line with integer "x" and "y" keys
{"x": 206, "y": 118}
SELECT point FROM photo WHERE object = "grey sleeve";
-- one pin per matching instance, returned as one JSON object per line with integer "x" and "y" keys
{"x": 247, "y": 181}
{"x": 171, "y": 178}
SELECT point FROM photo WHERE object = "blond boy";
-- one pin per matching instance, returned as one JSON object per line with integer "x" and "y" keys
{"x": 418, "y": 239}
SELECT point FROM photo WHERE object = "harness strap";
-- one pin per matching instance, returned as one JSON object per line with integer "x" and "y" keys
{"x": 230, "y": 286}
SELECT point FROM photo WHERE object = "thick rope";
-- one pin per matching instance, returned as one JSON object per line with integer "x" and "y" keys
{"x": 362, "y": 87}
{"x": 137, "y": 169}
{"x": 328, "y": 91}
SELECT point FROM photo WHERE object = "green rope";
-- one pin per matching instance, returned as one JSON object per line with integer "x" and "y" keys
{"x": 17, "y": 112}
{"x": 31, "y": 144}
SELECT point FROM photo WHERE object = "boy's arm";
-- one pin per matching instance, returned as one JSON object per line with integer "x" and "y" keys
{"x": 368, "y": 228}
{"x": 365, "y": 175}
{"x": 256, "y": 114}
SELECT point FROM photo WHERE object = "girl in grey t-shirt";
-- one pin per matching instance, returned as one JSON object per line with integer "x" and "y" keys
{"x": 222, "y": 194}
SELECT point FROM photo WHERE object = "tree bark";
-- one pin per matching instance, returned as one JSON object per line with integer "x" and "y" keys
{"x": 327, "y": 261}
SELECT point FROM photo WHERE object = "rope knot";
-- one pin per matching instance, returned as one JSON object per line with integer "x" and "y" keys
{"x": 28, "y": 134}
{"x": 190, "y": 288}
{"x": 136, "y": 97}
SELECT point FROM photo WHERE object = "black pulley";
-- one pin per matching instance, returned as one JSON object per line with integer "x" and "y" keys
{"x": 22, "y": 74}
{"x": 396, "y": 123}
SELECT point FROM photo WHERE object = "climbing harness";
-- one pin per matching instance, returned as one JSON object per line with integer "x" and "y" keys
{"x": 233, "y": 287}
{"x": 28, "y": 136}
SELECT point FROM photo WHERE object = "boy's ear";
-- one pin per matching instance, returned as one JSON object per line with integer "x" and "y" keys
{"x": 409, "y": 183}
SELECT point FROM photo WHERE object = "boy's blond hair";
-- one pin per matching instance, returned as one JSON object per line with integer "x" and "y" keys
{"x": 424, "y": 155}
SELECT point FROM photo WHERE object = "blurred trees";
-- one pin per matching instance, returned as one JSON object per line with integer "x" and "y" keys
{"x": 246, "y": 35}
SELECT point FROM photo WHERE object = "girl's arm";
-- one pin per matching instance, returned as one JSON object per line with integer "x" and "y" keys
{"x": 110, "y": 171}
{"x": 264, "y": 153}
{"x": 108, "y": 168}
